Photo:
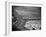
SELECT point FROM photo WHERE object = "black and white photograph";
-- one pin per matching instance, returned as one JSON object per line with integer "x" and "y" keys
{"x": 22, "y": 18}
{"x": 25, "y": 18}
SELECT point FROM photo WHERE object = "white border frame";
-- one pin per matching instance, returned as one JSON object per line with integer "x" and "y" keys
{"x": 9, "y": 17}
